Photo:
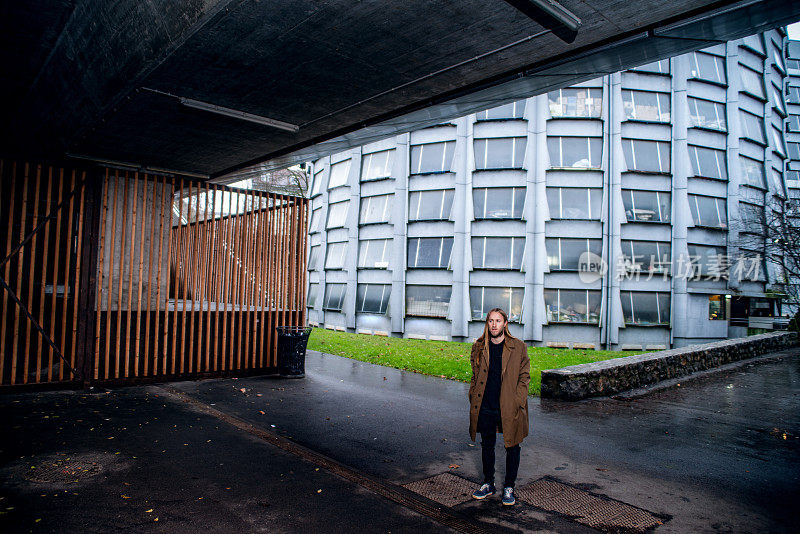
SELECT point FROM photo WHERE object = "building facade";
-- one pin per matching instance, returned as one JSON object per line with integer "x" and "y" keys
{"x": 613, "y": 213}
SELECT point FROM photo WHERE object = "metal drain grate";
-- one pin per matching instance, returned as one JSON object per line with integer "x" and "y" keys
{"x": 67, "y": 470}
{"x": 597, "y": 512}
{"x": 446, "y": 489}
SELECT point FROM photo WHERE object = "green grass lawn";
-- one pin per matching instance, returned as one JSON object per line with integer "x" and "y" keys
{"x": 446, "y": 359}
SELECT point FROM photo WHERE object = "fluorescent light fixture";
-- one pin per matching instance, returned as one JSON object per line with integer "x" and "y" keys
{"x": 241, "y": 115}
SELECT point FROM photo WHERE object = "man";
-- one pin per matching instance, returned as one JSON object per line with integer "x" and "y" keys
{"x": 498, "y": 397}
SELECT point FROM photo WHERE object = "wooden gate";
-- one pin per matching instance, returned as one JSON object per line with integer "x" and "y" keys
{"x": 180, "y": 278}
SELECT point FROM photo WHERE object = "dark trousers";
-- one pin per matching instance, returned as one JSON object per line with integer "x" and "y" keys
{"x": 488, "y": 424}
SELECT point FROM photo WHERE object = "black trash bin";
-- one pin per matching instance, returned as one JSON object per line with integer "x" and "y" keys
{"x": 292, "y": 341}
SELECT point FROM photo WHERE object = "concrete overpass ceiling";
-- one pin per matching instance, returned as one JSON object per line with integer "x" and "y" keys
{"x": 105, "y": 80}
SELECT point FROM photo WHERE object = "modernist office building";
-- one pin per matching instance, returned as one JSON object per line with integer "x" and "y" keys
{"x": 421, "y": 234}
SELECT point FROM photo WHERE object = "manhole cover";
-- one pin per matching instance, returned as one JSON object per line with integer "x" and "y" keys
{"x": 446, "y": 489}
{"x": 64, "y": 470}
{"x": 595, "y": 511}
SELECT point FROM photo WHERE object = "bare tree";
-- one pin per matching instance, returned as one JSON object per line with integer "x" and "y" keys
{"x": 291, "y": 181}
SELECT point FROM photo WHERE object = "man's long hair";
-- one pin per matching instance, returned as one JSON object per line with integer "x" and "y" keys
{"x": 485, "y": 337}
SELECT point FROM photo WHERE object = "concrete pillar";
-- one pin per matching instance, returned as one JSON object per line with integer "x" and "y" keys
{"x": 397, "y": 301}
{"x": 351, "y": 258}
{"x": 535, "y": 259}
{"x": 681, "y": 215}
{"x": 461, "y": 256}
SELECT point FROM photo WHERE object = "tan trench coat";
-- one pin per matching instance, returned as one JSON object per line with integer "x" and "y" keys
{"x": 513, "y": 389}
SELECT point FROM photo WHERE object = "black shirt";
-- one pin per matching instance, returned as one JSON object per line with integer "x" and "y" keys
{"x": 491, "y": 395}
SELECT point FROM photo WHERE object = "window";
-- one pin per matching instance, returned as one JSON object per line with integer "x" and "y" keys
{"x": 572, "y": 305}
{"x": 658, "y": 67}
{"x": 717, "y": 307}
{"x": 427, "y": 301}
{"x": 794, "y": 123}
{"x": 793, "y": 64}
{"x": 313, "y": 290}
{"x": 752, "y": 172}
{"x": 707, "y": 114}
{"x": 484, "y": 299}
{"x": 778, "y": 144}
{"x": 497, "y": 252}
{"x": 564, "y": 254}
{"x": 373, "y": 298}
{"x": 752, "y": 82}
{"x": 374, "y": 253}
{"x": 429, "y": 252}
{"x": 777, "y": 101}
{"x": 642, "y": 308}
{"x": 708, "y": 67}
{"x": 337, "y": 214}
{"x": 752, "y": 127}
{"x": 575, "y": 152}
{"x": 377, "y": 165}
{"x": 498, "y": 202}
{"x": 335, "y": 255}
{"x": 707, "y": 261}
{"x": 646, "y": 156}
{"x": 793, "y": 94}
{"x": 574, "y": 202}
{"x": 708, "y": 211}
{"x": 749, "y": 265}
{"x": 430, "y": 205}
{"x": 581, "y": 102}
{"x": 500, "y": 153}
{"x": 646, "y": 106}
{"x": 432, "y": 157}
{"x": 339, "y": 173}
{"x": 752, "y": 216}
{"x": 708, "y": 163}
{"x": 514, "y": 110}
{"x": 646, "y": 206}
{"x": 334, "y": 297}
{"x": 316, "y": 219}
{"x": 313, "y": 258}
{"x": 646, "y": 256}
{"x": 317, "y": 187}
{"x": 376, "y": 209}
{"x": 793, "y": 150}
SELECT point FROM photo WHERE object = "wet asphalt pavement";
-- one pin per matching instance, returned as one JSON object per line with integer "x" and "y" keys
{"x": 719, "y": 453}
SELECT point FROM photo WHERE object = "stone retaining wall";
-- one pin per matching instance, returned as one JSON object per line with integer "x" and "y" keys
{"x": 621, "y": 374}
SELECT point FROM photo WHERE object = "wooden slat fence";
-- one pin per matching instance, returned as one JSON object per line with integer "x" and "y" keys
{"x": 191, "y": 278}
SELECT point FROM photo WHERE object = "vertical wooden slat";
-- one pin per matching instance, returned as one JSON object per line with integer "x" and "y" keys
{"x": 258, "y": 282}
{"x": 185, "y": 275}
{"x": 20, "y": 255}
{"x": 31, "y": 267}
{"x": 292, "y": 275}
{"x": 6, "y": 274}
{"x": 263, "y": 241}
{"x": 246, "y": 285}
{"x": 239, "y": 278}
{"x": 226, "y": 277}
{"x": 163, "y": 324}
{"x": 131, "y": 266}
{"x": 210, "y": 226}
{"x": 101, "y": 278}
{"x": 229, "y": 279}
{"x": 78, "y": 261}
{"x": 284, "y": 259}
{"x": 121, "y": 272}
{"x": 203, "y": 277}
{"x": 193, "y": 274}
{"x": 112, "y": 259}
{"x": 271, "y": 289}
{"x": 45, "y": 230}
{"x": 69, "y": 226}
{"x": 173, "y": 244}
{"x": 137, "y": 333}
{"x": 54, "y": 280}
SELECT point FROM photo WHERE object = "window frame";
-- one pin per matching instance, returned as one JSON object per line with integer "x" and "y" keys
{"x": 366, "y": 160}
{"x": 595, "y": 111}
{"x": 344, "y": 174}
{"x": 487, "y": 141}
{"x": 719, "y": 116}
{"x": 588, "y": 139}
{"x": 659, "y": 148}
{"x": 445, "y": 193}
{"x": 428, "y": 289}
{"x": 720, "y": 160}
{"x": 346, "y": 210}
{"x": 328, "y": 293}
{"x": 444, "y": 168}
{"x": 717, "y": 202}
{"x": 383, "y": 304}
{"x": 386, "y": 214}
{"x": 514, "y": 196}
{"x": 561, "y": 268}
{"x": 442, "y": 240}
{"x": 588, "y": 293}
{"x": 515, "y": 246}
{"x": 659, "y": 96}
{"x": 364, "y": 246}
{"x": 509, "y": 306}
{"x": 633, "y": 207}
{"x": 661, "y": 322}
{"x": 589, "y": 190}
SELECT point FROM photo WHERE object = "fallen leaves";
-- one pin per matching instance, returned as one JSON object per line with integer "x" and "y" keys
{"x": 453, "y": 466}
